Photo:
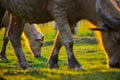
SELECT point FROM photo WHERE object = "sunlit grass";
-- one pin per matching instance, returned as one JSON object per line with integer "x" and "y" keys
{"x": 86, "y": 50}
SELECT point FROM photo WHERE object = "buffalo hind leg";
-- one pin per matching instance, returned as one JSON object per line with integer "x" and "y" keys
{"x": 14, "y": 34}
{"x": 53, "y": 59}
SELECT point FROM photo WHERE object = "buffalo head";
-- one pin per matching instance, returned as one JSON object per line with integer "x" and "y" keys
{"x": 110, "y": 30}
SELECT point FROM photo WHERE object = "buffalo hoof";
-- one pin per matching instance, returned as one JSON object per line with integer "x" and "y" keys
{"x": 74, "y": 64}
{"x": 4, "y": 59}
{"x": 30, "y": 69}
{"x": 26, "y": 66}
{"x": 52, "y": 65}
{"x": 79, "y": 68}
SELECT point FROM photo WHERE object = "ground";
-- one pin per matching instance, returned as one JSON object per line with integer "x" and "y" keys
{"x": 86, "y": 49}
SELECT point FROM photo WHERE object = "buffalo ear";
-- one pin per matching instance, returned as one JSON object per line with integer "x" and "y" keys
{"x": 100, "y": 28}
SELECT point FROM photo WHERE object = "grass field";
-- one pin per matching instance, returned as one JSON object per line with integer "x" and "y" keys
{"x": 86, "y": 50}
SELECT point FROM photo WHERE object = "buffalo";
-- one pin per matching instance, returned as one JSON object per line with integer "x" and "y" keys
{"x": 105, "y": 14}
{"x": 35, "y": 39}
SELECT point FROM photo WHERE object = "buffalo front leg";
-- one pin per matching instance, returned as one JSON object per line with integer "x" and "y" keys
{"x": 53, "y": 59}
{"x": 5, "y": 42}
{"x": 14, "y": 34}
{"x": 62, "y": 22}
{"x": 6, "y": 20}
{"x": 67, "y": 40}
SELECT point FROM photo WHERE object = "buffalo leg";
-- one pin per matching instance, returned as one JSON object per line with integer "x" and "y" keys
{"x": 14, "y": 35}
{"x": 67, "y": 40}
{"x": 53, "y": 60}
{"x": 3, "y": 51}
{"x": 61, "y": 20}
{"x": 6, "y": 20}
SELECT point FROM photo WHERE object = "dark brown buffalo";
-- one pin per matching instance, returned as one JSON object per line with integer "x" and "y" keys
{"x": 102, "y": 13}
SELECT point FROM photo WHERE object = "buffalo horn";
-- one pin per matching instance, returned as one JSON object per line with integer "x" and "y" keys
{"x": 112, "y": 23}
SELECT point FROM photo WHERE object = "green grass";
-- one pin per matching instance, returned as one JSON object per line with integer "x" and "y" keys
{"x": 86, "y": 50}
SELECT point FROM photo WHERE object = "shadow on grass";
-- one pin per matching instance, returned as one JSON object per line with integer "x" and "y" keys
{"x": 85, "y": 40}
{"x": 48, "y": 43}
{"x": 98, "y": 76}
{"x": 2, "y": 78}
{"x": 65, "y": 75}
{"x": 39, "y": 62}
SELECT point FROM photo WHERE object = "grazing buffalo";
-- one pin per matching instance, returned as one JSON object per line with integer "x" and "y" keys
{"x": 35, "y": 39}
{"x": 103, "y": 13}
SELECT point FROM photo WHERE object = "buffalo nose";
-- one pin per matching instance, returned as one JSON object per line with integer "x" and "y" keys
{"x": 114, "y": 64}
